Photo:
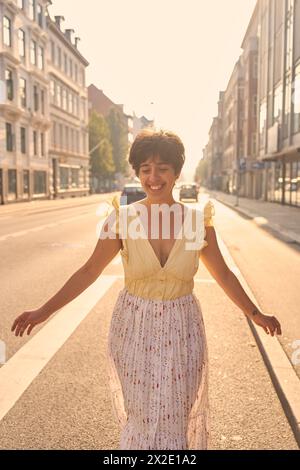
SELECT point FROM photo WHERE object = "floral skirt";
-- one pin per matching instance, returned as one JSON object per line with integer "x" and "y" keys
{"x": 158, "y": 373}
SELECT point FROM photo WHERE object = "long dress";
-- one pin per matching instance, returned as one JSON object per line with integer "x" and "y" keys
{"x": 157, "y": 358}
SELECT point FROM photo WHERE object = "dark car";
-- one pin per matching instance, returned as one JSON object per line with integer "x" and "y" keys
{"x": 188, "y": 191}
{"x": 132, "y": 192}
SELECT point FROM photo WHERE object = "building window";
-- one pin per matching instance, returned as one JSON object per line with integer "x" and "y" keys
{"x": 39, "y": 182}
{"x": 52, "y": 52}
{"x": 42, "y": 144}
{"x": 67, "y": 137}
{"x": 59, "y": 95}
{"x": 71, "y": 68}
{"x": 255, "y": 66}
{"x": 253, "y": 143}
{"x": 40, "y": 59}
{"x": 6, "y": 31}
{"x": 70, "y": 105}
{"x": 40, "y": 15}
{"x": 21, "y": 37}
{"x": 35, "y": 98}
{"x": 262, "y": 123}
{"x": 287, "y": 106}
{"x": 59, "y": 57}
{"x": 12, "y": 181}
{"x": 23, "y": 139}
{"x": 66, "y": 63}
{"x": 25, "y": 181}
{"x": 34, "y": 134}
{"x": 76, "y": 73}
{"x": 9, "y": 137}
{"x": 74, "y": 177}
{"x": 33, "y": 52}
{"x": 64, "y": 177}
{"x": 32, "y": 9}
{"x": 52, "y": 91}
{"x": 23, "y": 92}
{"x": 277, "y": 105}
{"x": 21, "y": 4}
{"x": 64, "y": 99}
{"x": 42, "y": 102}
{"x": 296, "y": 100}
{"x": 254, "y": 106}
{"x": 9, "y": 85}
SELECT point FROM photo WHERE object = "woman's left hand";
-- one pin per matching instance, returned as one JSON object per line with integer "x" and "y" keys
{"x": 268, "y": 322}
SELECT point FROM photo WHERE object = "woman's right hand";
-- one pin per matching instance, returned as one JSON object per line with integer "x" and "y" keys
{"x": 28, "y": 319}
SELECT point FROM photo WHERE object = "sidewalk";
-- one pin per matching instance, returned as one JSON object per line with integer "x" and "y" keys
{"x": 283, "y": 220}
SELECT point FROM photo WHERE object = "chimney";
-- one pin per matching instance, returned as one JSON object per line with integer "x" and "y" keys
{"x": 58, "y": 20}
{"x": 68, "y": 34}
{"x": 77, "y": 39}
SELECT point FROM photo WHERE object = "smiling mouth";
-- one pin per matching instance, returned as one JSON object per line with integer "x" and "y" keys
{"x": 156, "y": 187}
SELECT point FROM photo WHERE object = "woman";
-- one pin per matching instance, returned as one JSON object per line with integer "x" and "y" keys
{"x": 157, "y": 350}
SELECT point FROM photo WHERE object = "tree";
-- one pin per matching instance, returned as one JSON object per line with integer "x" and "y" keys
{"x": 118, "y": 127}
{"x": 102, "y": 164}
{"x": 201, "y": 172}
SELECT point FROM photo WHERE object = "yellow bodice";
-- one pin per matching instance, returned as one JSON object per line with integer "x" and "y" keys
{"x": 144, "y": 275}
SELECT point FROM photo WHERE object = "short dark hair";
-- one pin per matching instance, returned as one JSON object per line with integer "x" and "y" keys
{"x": 149, "y": 143}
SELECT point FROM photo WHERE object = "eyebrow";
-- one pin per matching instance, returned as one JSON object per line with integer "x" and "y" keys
{"x": 159, "y": 163}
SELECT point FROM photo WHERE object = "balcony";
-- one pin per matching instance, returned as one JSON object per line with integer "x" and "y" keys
{"x": 10, "y": 111}
{"x": 38, "y": 120}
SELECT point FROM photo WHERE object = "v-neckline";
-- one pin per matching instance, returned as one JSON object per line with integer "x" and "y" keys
{"x": 172, "y": 249}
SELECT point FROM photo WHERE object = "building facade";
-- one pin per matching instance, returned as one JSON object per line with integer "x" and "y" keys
{"x": 68, "y": 143}
{"x": 29, "y": 158}
{"x": 279, "y": 99}
{"x": 24, "y": 105}
{"x": 261, "y": 109}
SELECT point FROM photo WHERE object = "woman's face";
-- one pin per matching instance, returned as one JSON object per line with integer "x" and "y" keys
{"x": 157, "y": 178}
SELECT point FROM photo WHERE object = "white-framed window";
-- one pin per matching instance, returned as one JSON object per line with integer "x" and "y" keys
{"x": 32, "y": 9}
{"x": 7, "y": 31}
{"x": 34, "y": 136}
{"x": 58, "y": 57}
{"x": 64, "y": 99}
{"x": 40, "y": 15}
{"x": 33, "y": 57}
{"x": 20, "y": 4}
{"x": 253, "y": 143}
{"x": 22, "y": 44}
{"x": 52, "y": 91}
{"x": 35, "y": 98}
{"x": 254, "y": 109}
{"x": 42, "y": 136}
{"x": 70, "y": 100}
{"x": 52, "y": 52}
{"x": 23, "y": 95}
{"x": 9, "y": 137}
{"x": 40, "y": 58}
{"x": 9, "y": 84}
{"x": 23, "y": 139}
{"x": 42, "y": 101}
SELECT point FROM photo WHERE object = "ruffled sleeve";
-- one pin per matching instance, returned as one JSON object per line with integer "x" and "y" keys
{"x": 209, "y": 212}
{"x": 116, "y": 204}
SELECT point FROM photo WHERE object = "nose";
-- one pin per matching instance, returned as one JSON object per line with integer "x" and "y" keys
{"x": 154, "y": 175}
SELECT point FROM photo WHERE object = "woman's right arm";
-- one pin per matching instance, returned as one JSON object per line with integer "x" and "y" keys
{"x": 105, "y": 250}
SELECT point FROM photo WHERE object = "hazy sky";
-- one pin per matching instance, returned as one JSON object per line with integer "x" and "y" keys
{"x": 176, "y": 54}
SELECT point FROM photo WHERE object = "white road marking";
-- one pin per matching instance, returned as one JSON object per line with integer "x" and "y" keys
{"x": 19, "y": 371}
{"x": 40, "y": 227}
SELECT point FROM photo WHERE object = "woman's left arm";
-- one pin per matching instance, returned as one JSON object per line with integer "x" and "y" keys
{"x": 212, "y": 258}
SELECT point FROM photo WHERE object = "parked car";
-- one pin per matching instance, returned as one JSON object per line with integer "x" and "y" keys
{"x": 188, "y": 191}
{"x": 132, "y": 192}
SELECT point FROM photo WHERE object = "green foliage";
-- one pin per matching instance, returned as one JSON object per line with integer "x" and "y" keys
{"x": 118, "y": 127}
{"x": 102, "y": 164}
